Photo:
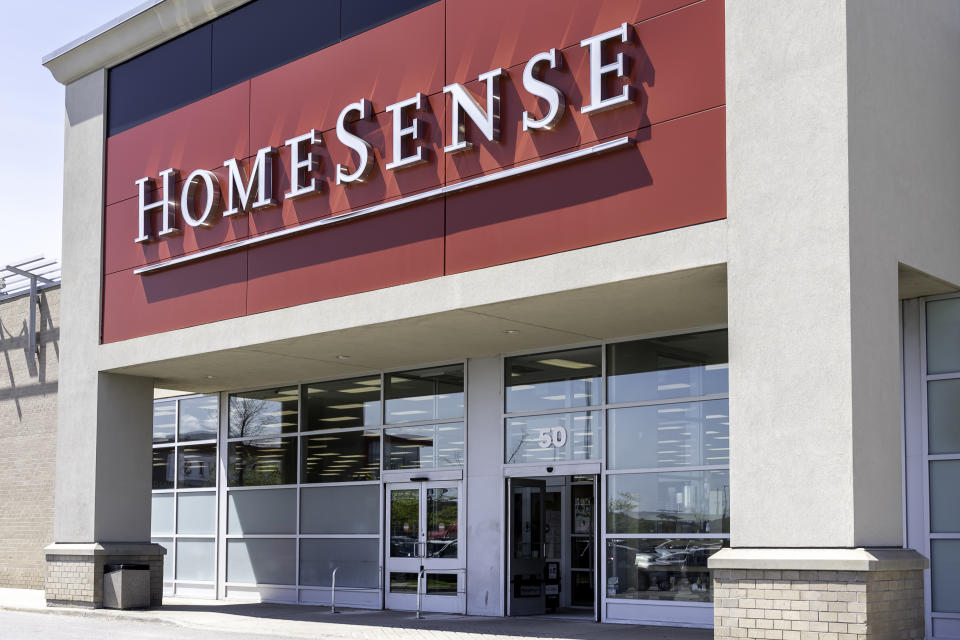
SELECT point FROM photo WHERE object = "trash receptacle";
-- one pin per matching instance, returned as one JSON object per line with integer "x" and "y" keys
{"x": 126, "y": 586}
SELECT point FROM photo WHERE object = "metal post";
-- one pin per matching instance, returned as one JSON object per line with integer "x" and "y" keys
{"x": 420, "y": 594}
{"x": 32, "y": 329}
{"x": 333, "y": 591}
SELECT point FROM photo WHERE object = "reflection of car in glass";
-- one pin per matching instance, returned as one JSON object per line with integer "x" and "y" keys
{"x": 640, "y": 564}
{"x": 403, "y": 547}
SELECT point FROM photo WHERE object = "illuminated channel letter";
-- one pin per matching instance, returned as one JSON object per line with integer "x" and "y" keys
{"x": 463, "y": 103}
{"x": 301, "y": 166}
{"x": 212, "y": 189}
{"x": 403, "y": 136}
{"x": 598, "y": 71}
{"x": 362, "y": 110}
{"x": 261, "y": 177}
{"x": 167, "y": 204}
{"x": 555, "y": 100}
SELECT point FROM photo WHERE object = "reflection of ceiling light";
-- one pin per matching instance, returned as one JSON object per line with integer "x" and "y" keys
{"x": 672, "y": 387}
{"x": 716, "y": 367}
{"x": 406, "y": 413}
{"x": 360, "y": 390}
{"x": 674, "y": 410}
{"x": 347, "y": 406}
{"x": 567, "y": 364}
{"x": 716, "y": 416}
{"x": 554, "y": 398}
{"x": 337, "y": 419}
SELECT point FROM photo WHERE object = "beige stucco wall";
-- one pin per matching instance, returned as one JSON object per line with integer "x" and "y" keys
{"x": 28, "y": 425}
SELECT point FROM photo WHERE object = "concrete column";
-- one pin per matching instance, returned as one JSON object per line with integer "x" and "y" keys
{"x": 814, "y": 349}
{"x": 485, "y": 488}
{"x": 102, "y": 501}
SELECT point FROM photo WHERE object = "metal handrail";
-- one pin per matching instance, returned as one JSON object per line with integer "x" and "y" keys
{"x": 333, "y": 590}
{"x": 420, "y": 593}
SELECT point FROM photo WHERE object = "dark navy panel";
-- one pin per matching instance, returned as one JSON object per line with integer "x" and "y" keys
{"x": 160, "y": 80}
{"x": 252, "y": 39}
{"x": 266, "y": 34}
{"x": 360, "y": 15}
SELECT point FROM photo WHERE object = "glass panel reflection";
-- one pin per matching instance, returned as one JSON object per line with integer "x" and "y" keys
{"x": 263, "y": 413}
{"x": 198, "y": 418}
{"x": 558, "y": 380}
{"x": 161, "y": 514}
{"x": 553, "y": 438}
{"x": 262, "y": 561}
{"x": 197, "y": 513}
{"x": 658, "y": 569}
{"x": 342, "y": 403}
{"x": 441, "y": 584}
{"x": 681, "y": 366}
{"x": 424, "y": 447}
{"x": 197, "y": 466}
{"x": 195, "y": 560}
{"x": 356, "y": 560}
{"x": 262, "y": 462}
{"x": 164, "y": 421}
{"x": 943, "y": 336}
{"x": 403, "y": 582}
{"x": 404, "y": 522}
{"x": 669, "y": 435}
{"x": 317, "y": 503}
{"x": 262, "y": 511}
{"x": 945, "y": 575}
{"x": 341, "y": 457}
{"x": 164, "y": 467}
{"x": 425, "y": 394}
{"x": 442, "y": 522}
{"x": 944, "y": 506}
{"x": 669, "y": 502}
{"x": 943, "y": 416}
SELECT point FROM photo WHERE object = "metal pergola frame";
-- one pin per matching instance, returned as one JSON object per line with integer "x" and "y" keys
{"x": 30, "y": 275}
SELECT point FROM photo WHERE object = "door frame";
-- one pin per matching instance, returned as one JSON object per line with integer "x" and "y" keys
{"x": 594, "y": 469}
{"x": 457, "y": 566}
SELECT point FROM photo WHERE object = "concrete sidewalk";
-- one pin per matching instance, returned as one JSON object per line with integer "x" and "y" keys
{"x": 293, "y": 621}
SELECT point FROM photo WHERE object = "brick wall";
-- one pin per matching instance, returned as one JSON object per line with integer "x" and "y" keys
{"x": 28, "y": 427}
{"x": 77, "y": 580}
{"x": 818, "y": 605}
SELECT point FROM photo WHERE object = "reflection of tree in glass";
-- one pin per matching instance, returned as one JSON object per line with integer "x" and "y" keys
{"x": 247, "y": 416}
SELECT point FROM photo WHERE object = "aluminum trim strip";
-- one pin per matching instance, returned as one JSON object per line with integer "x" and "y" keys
{"x": 400, "y": 203}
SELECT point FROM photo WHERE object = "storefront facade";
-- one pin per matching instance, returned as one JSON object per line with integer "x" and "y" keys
{"x": 508, "y": 309}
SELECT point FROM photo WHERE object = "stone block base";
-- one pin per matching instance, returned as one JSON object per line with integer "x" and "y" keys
{"x": 75, "y": 571}
{"x": 818, "y": 594}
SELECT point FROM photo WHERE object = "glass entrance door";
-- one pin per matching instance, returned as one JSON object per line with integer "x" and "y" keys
{"x": 527, "y": 546}
{"x": 423, "y": 553}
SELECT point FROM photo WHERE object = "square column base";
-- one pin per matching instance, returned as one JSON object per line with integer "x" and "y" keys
{"x": 818, "y": 594}
{"x": 74, "y": 575}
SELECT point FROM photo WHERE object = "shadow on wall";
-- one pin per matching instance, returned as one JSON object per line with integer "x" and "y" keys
{"x": 26, "y": 373}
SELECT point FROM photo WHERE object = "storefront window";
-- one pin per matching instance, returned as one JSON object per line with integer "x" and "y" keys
{"x": 558, "y": 380}
{"x": 553, "y": 437}
{"x": 669, "y": 435}
{"x": 263, "y": 413}
{"x": 669, "y": 502}
{"x": 425, "y": 447}
{"x": 183, "y": 519}
{"x": 661, "y": 568}
{"x": 164, "y": 421}
{"x": 422, "y": 395}
{"x": 265, "y": 461}
{"x": 670, "y": 367}
{"x": 199, "y": 418}
{"x": 340, "y": 404}
{"x": 345, "y": 456}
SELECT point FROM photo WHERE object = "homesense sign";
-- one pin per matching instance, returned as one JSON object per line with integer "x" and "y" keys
{"x": 246, "y": 194}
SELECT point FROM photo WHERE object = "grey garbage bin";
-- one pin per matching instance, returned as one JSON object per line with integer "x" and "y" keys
{"x": 126, "y": 586}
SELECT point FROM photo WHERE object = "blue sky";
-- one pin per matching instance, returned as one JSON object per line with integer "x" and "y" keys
{"x": 31, "y": 118}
